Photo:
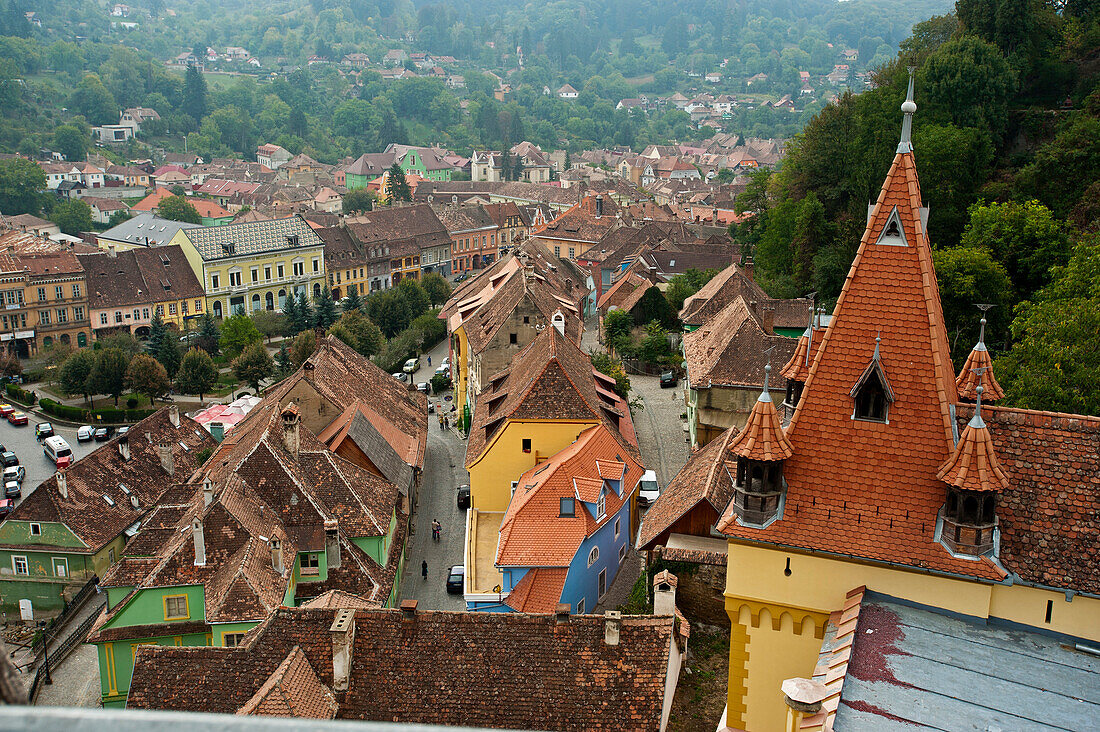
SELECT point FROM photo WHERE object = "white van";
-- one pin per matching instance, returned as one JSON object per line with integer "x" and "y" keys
{"x": 648, "y": 488}
{"x": 58, "y": 451}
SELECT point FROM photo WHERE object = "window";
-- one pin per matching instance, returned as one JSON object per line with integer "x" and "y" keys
{"x": 267, "y": 272}
{"x": 183, "y": 307}
{"x": 593, "y": 555}
{"x": 44, "y": 317}
{"x": 103, "y": 318}
{"x": 255, "y": 274}
{"x": 279, "y": 269}
{"x": 580, "y": 606}
{"x": 76, "y": 290}
{"x": 567, "y": 507}
{"x": 513, "y": 338}
{"x": 160, "y": 310}
{"x": 526, "y": 319}
{"x": 41, "y": 294}
{"x": 137, "y": 314}
{"x": 60, "y": 566}
{"x": 175, "y": 607}
{"x": 617, "y": 520}
{"x": 145, "y": 313}
{"x": 601, "y": 505}
{"x": 316, "y": 265}
{"x": 110, "y": 556}
{"x": 622, "y": 553}
{"x": 872, "y": 398}
{"x": 232, "y": 640}
{"x": 235, "y": 279}
{"x": 214, "y": 282}
{"x": 572, "y": 252}
{"x": 19, "y": 565}
{"x": 36, "y": 529}
{"x": 299, "y": 269}
{"x": 311, "y": 563}
{"x": 172, "y": 305}
{"x": 62, "y": 315}
{"x": 602, "y": 582}
{"x": 557, "y": 251}
{"x": 58, "y": 293}
{"x": 527, "y": 444}
{"x": 198, "y": 306}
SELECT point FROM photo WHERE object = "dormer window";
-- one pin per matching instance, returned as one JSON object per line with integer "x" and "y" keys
{"x": 601, "y": 505}
{"x": 893, "y": 233}
{"x": 872, "y": 392}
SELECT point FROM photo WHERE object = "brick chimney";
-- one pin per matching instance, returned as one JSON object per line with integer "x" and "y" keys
{"x": 748, "y": 267}
{"x": 612, "y": 624}
{"x": 124, "y": 447}
{"x": 343, "y": 643}
{"x": 408, "y": 609}
{"x": 664, "y": 593}
{"x": 561, "y": 613}
{"x": 332, "y": 543}
{"x": 174, "y": 416}
{"x": 767, "y": 319}
{"x": 200, "y": 544}
{"x": 62, "y": 484}
{"x": 292, "y": 420}
{"x": 167, "y": 459}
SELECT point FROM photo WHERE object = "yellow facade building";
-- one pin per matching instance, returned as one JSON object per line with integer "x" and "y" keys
{"x": 255, "y": 265}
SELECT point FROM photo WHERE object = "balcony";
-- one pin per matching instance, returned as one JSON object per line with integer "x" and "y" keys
{"x": 972, "y": 539}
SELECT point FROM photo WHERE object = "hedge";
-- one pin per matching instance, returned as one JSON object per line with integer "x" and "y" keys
{"x": 78, "y": 414}
{"x": 20, "y": 395}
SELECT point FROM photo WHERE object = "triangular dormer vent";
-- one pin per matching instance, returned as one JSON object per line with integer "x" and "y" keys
{"x": 893, "y": 233}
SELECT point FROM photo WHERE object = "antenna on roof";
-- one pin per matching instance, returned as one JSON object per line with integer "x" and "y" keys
{"x": 810, "y": 326}
{"x": 908, "y": 107}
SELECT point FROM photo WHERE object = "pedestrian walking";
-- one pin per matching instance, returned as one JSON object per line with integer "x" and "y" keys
{"x": 437, "y": 529}
{"x": 429, "y": 360}
{"x": 441, "y": 423}
{"x": 424, "y": 569}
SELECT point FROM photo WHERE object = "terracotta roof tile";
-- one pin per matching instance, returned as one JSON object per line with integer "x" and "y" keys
{"x": 538, "y": 591}
{"x": 973, "y": 466}
{"x": 762, "y": 437}
{"x": 292, "y": 690}
{"x": 972, "y": 376}
{"x": 730, "y": 349}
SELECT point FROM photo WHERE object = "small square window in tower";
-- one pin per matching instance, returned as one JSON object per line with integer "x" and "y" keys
{"x": 872, "y": 392}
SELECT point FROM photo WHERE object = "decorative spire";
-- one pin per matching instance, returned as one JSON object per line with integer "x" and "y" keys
{"x": 973, "y": 466}
{"x": 764, "y": 395}
{"x": 978, "y": 370}
{"x": 908, "y": 108}
{"x": 878, "y": 340}
{"x": 977, "y": 421}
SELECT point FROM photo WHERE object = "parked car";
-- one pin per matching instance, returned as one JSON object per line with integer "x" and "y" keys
{"x": 669, "y": 378}
{"x": 461, "y": 278}
{"x": 122, "y": 431}
{"x": 43, "y": 430}
{"x": 85, "y": 433}
{"x": 18, "y": 418}
{"x": 445, "y": 363}
{"x": 464, "y": 496}
{"x": 411, "y": 365}
{"x": 401, "y": 377}
{"x": 5, "y": 410}
{"x": 102, "y": 434}
{"x": 12, "y": 489}
{"x": 8, "y": 458}
{"x": 57, "y": 450}
{"x": 649, "y": 490}
{"x": 454, "y": 579}
{"x": 424, "y": 387}
{"x": 16, "y": 473}
{"x": 7, "y": 505}
{"x": 443, "y": 371}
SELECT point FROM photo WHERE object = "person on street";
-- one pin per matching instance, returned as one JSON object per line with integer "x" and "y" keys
{"x": 429, "y": 361}
{"x": 437, "y": 528}
{"x": 424, "y": 569}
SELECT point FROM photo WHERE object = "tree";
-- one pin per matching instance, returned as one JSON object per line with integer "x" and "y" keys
{"x": 617, "y": 326}
{"x": 653, "y": 306}
{"x": 437, "y": 287}
{"x": 92, "y": 100}
{"x": 194, "y": 94}
{"x": 968, "y": 276}
{"x": 610, "y": 366}
{"x": 71, "y": 142}
{"x": 290, "y": 312}
{"x": 208, "y": 336}
{"x": 399, "y": 189}
{"x": 303, "y": 347}
{"x": 1024, "y": 237}
{"x": 968, "y": 84}
{"x": 253, "y": 365}
{"x": 159, "y": 335}
{"x": 324, "y": 310}
{"x": 118, "y": 217}
{"x": 415, "y": 297}
{"x": 352, "y": 301}
{"x": 145, "y": 375}
{"x": 197, "y": 373}
{"x": 282, "y": 361}
{"x": 683, "y": 286}
{"x": 10, "y": 365}
{"x": 303, "y": 313}
{"x": 108, "y": 376}
{"x": 72, "y": 216}
{"x": 178, "y": 208}
{"x": 269, "y": 323}
{"x": 358, "y": 199}
{"x": 21, "y": 181}
{"x": 75, "y": 373}
{"x": 359, "y": 332}
{"x": 1054, "y": 364}
{"x": 238, "y": 332}
{"x": 125, "y": 342}
{"x": 654, "y": 348}
{"x": 390, "y": 311}
{"x": 811, "y": 234}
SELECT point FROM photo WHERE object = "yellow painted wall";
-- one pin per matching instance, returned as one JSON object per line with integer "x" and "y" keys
{"x": 504, "y": 459}
{"x": 102, "y": 559}
{"x": 758, "y": 590}
{"x": 461, "y": 367}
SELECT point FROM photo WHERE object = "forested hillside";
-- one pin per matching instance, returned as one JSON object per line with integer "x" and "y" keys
{"x": 1007, "y": 141}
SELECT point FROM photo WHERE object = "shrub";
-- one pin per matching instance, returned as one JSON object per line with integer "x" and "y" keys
{"x": 131, "y": 403}
{"x": 20, "y": 395}
{"x": 62, "y": 411}
{"x": 440, "y": 383}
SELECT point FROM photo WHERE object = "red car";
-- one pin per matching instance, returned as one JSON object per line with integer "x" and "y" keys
{"x": 5, "y": 410}
{"x": 18, "y": 418}
{"x": 7, "y": 505}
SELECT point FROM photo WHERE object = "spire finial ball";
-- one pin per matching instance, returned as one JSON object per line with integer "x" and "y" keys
{"x": 908, "y": 106}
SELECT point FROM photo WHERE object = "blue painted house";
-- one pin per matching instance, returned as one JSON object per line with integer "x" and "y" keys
{"x": 567, "y": 528}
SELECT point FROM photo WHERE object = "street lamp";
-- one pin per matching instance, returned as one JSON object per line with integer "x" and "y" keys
{"x": 45, "y": 651}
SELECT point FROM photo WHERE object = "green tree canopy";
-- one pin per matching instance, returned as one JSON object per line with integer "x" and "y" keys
{"x": 437, "y": 287}
{"x": 75, "y": 372}
{"x": 178, "y": 208}
{"x": 92, "y": 100}
{"x": 324, "y": 310}
{"x": 208, "y": 336}
{"x": 72, "y": 216}
{"x": 108, "y": 376}
{"x": 197, "y": 373}
{"x": 237, "y": 333}
{"x": 145, "y": 375}
{"x": 399, "y": 189}
{"x": 357, "y": 200}
{"x": 968, "y": 276}
{"x": 21, "y": 181}
{"x": 1024, "y": 237}
{"x": 253, "y": 365}
{"x": 71, "y": 141}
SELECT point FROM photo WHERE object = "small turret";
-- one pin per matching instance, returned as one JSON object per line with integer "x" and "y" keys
{"x": 978, "y": 371}
{"x": 761, "y": 447}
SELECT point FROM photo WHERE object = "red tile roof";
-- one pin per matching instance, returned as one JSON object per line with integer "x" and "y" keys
{"x": 862, "y": 488}
{"x": 763, "y": 437}
{"x": 539, "y": 591}
{"x": 292, "y": 690}
{"x": 972, "y": 376}
{"x": 798, "y": 368}
{"x": 731, "y": 349}
{"x": 974, "y": 465}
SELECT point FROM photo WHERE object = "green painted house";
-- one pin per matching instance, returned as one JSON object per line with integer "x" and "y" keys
{"x": 427, "y": 162}
{"x": 366, "y": 168}
{"x": 278, "y": 517}
{"x": 75, "y": 524}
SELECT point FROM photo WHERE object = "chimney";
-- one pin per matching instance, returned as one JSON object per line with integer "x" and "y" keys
{"x": 332, "y": 544}
{"x": 174, "y": 416}
{"x": 747, "y": 266}
{"x": 408, "y": 609}
{"x": 124, "y": 447}
{"x": 803, "y": 698}
{"x": 217, "y": 431}
{"x": 276, "y": 555}
{"x": 207, "y": 492}
{"x": 200, "y": 545}
{"x": 167, "y": 459}
{"x": 558, "y": 321}
{"x": 291, "y": 428}
{"x": 599, "y": 206}
{"x": 612, "y": 624}
{"x": 664, "y": 593}
{"x": 111, "y": 251}
{"x": 561, "y": 613}
{"x": 62, "y": 484}
{"x": 343, "y": 642}
{"x": 767, "y": 319}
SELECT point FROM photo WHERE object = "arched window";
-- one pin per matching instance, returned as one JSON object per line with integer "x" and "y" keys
{"x": 65, "y": 338}
{"x": 593, "y": 555}
{"x": 81, "y": 339}
{"x": 255, "y": 302}
{"x": 217, "y": 308}
{"x": 316, "y": 289}
{"x": 282, "y": 299}
{"x": 47, "y": 342}
{"x": 269, "y": 301}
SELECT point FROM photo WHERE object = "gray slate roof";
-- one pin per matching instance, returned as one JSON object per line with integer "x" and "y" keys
{"x": 145, "y": 229}
{"x": 252, "y": 237}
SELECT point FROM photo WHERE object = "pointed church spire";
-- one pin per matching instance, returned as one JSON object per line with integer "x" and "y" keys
{"x": 977, "y": 372}
{"x": 908, "y": 107}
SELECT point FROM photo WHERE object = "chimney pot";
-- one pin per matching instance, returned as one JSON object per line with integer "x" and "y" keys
{"x": 768, "y": 319}
{"x": 291, "y": 424}
{"x": 277, "y": 555}
{"x": 612, "y": 624}
{"x": 561, "y": 613}
{"x": 408, "y": 608}
{"x": 62, "y": 484}
{"x": 343, "y": 641}
{"x": 207, "y": 492}
{"x": 174, "y": 416}
{"x": 664, "y": 593}
{"x": 200, "y": 544}
{"x": 124, "y": 447}
{"x": 332, "y": 544}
